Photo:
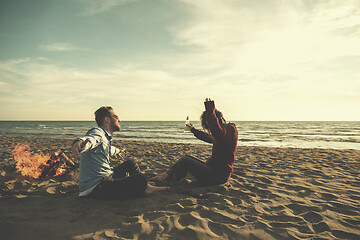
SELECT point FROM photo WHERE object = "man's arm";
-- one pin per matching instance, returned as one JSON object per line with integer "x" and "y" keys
{"x": 91, "y": 140}
{"x": 115, "y": 151}
{"x": 77, "y": 146}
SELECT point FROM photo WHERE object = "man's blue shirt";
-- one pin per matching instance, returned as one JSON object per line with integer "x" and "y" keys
{"x": 95, "y": 159}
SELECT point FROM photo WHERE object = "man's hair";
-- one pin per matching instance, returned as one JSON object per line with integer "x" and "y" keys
{"x": 101, "y": 113}
{"x": 219, "y": 116}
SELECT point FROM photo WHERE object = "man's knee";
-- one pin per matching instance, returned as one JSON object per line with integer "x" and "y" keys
{"x": 141, "y": 181}
{"x": 130, "y": 163}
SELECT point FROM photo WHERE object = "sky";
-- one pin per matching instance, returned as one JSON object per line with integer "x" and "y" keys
{"x": 268, "y": 60}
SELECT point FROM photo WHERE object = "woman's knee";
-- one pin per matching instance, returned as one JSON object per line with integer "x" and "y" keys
{"x": 187, "y": 156}
{"x": 186, "y": 159}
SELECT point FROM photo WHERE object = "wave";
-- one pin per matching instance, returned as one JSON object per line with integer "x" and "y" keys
{"x": 252, "y": 140}
{"x": 149, "y": 130}
{"x": 301, "y": 134}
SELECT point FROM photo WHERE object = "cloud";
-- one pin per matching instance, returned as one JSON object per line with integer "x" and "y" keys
{"x": 272, "y": 52}
{"x": 230, "y": 39}
{"x": 216, "y": 23}
{"x": 35, "y": 80}
{"x": 60, "y": 47}
{"x": 38, "y": 84}
{"x": 97, "y": 6}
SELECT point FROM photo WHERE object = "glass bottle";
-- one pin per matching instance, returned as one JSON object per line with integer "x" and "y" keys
{"x": 187, "y": 122}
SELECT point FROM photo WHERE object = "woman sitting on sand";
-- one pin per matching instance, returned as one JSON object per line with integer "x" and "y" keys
{"x": 218, "y": 168}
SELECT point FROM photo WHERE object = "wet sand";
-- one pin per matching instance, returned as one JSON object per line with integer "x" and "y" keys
{"x": 274, "y": 193}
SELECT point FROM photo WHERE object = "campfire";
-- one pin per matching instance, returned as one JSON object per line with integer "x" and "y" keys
{"x": 40, "y": 165}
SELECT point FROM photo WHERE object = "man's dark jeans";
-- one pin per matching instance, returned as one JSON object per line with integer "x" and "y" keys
{"x": 127, "y": 181}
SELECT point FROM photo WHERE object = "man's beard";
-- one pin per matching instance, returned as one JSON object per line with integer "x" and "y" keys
{"x": 115, "y": 127}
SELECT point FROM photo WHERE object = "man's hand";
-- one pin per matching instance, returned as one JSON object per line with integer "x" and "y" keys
{"x": 122, "y": 153}
{"x": 77, "y": 146}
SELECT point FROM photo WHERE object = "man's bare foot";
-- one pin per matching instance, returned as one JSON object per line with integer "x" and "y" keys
{"x": 153, "y": 189}
{"x": 161, "y": 177}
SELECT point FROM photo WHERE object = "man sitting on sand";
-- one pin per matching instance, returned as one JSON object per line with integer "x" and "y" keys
{"x": 97, "y": 178}
{"x": 218, "y": 168}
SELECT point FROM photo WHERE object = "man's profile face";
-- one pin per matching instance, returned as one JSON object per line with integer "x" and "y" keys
{"x": 114, "y": 121}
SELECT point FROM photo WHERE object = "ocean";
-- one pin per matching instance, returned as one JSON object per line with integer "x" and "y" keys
{"x": 294, "y": 134}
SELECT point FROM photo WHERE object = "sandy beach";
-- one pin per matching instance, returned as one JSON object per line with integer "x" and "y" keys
{"x": 274, "y": 193}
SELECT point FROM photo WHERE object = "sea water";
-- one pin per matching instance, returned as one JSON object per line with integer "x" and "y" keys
{"x": 329, "y": 135}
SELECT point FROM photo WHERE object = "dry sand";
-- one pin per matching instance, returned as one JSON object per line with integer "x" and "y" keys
{"x": 274, "y": 193}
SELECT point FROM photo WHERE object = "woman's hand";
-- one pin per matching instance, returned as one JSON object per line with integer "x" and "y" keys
{"x": 209, "y": 104}
{"x": 189, "y": 126}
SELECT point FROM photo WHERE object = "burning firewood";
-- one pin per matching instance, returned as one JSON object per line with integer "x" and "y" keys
{"x": 66, "y": 159}
{"x": 41, "y": 165}
{"x": 51, "y": 169}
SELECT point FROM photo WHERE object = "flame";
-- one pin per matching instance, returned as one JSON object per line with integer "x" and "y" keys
{"x": 61, "y": 170}
{"x": 33, "y": 165}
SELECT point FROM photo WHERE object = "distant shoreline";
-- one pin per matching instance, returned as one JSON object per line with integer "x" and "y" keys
{"x": 183, "y": 121}
{"x": 294, "y": 134}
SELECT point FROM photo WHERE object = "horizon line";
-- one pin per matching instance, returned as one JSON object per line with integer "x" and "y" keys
{"x": 182, "y": 121}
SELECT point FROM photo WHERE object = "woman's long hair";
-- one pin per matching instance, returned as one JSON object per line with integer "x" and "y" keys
{"x": 219, "y": 116}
